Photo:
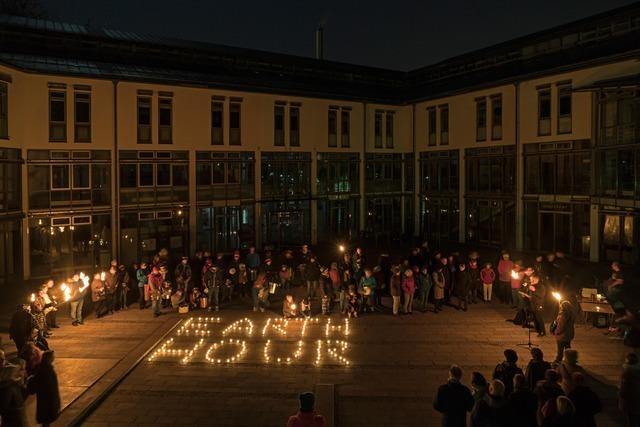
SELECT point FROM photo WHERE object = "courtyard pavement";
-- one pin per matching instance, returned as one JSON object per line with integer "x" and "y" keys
{"x": 395, "y": 366}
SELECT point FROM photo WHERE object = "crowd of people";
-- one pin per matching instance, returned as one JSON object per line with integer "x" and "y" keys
{"x": 538, "y": 396}
{"x": 346, "y": 282}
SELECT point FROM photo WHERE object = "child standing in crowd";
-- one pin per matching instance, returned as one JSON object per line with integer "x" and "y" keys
{"x": 289, "y": 308}
{"x": 352, "y": 303}
{"x": 141, "y": 277}
{"x": 305, "y": 307}
{"x": 325, "y": 305}
{"x": 368, "y": 287}
{"x": 488, "y": 276}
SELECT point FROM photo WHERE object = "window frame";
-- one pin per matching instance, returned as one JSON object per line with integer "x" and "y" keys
{"x": 444, "y": 130}
{"x": 140, "y": 99}
{"x": 4, "y": 110}
{"x": 235, "y": 109}
{"x": 61, "y": 123}
{"x": 481, "y": 136}
{"x": 496, "y": 126}
{"x": 544, "y": 94}
{"x": 432, "y": 138}
{"x": 165, "y": 103}
{"x": 565, "y": 91}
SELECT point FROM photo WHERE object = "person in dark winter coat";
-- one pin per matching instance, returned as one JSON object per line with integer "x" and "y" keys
{"x": 44, "y": 385}
{"x": 21, "y": 327}
{"x": 463, "y": 287}
{"x": 453, "y": 400}
{"x": 536, "y": 368}
{"x": 586, "y": 402}
{"x": 565, "y": 415}
{"x": 629, "y": 398}
{"x": 522, "y": 404}
{"x": 12, "y": 395}
{"x": 506, "y": 370}
{"x": 492, "y": 410}
{"x": 564, "y": 330}
{"x": 547, "y": 391}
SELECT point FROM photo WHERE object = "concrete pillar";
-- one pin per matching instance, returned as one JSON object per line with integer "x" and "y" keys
{"x": 462, "y": 176}
{"x": 257, "y": 214}
{"x": 26, "y": 260}
{"x": 314, "y": 201}
{"x": 193, "y": 212}
{"x": 594, "y": 231}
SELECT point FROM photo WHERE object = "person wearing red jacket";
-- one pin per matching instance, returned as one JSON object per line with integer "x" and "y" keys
{"x": 408, "y": 289}
{"x": 155, "y": 287}
{"x": 505, "y": 265}
{"x": 488, "y": 276}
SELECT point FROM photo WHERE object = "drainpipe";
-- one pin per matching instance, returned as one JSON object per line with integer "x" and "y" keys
{"x": 115, "y": 194}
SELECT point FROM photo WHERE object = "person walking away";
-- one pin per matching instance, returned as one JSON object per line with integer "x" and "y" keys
{"x": 396, "y": 288}
{"x": 155, "y": 289}
{"x": 629, "y": 395}
{"x": 492, "y": 410}
{"x": 463, "y": 287}
{"x": 536, "y": 368}
{"x": 141, "y": 278}
{"x": 12, "y": 396}
{"x": 586, "y": 402}
{"x": 438, "y": 287}
{"x": 537, "y": 292}
{"x": 506, "y": 370}
{"x": 408, "y": 289}
{"x": 522, "y": 404}
{"x": 505, "y": 266}
{"x": 564, "y": 329}
{"x": 453, "y": 400}
{"x": 425, "y": 283}
{"x": 44, "y": 385}
{"x": 76, "y": 302}
{"x": 306, "y": 416}
{"x": 488, "y": 276}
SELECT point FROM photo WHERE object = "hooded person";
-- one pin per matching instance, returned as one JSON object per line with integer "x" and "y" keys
{"x": 506, "y": 370}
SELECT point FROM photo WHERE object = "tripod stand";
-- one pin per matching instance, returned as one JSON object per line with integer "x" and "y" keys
{"x": 528, "y": 317}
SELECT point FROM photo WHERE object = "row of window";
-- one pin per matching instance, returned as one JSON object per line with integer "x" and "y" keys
{"x": 58, "y": 113}
{"x": 496, "y": 118}
{"x": 443, "y": 111}
{"x": 563, "y": 108}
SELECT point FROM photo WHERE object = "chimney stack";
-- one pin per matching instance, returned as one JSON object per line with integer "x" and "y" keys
{"x": 320, "y": 43}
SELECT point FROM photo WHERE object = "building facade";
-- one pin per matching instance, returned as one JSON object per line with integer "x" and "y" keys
{"x": 117, "y": 145}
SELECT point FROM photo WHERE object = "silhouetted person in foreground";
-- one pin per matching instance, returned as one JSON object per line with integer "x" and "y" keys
{"x": 454, "y": 400}
{"x": 306, "y": 416}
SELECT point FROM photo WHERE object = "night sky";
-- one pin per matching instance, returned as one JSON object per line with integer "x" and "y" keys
{"x": 395, "y": 34}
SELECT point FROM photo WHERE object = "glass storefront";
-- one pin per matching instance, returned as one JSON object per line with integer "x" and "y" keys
{"x": 620, "y": 236}
{"x": 561, "y": 227}
{"x": 143, "y": 234}
{"x": 225, "y": 228}
{"x": 68, "y": 179}
{"x": 10, "y": 253}
{"x": 286, "y": 223}
{"x": 224, "y": 176}
{"x": 61, "y": 245}
{"x": 286, "y": 175}
{"x": 338, "y": 195}
{"x": 439, "y": 219}
{"x": 384, "y": 217}
{"x": 491, "y": 222}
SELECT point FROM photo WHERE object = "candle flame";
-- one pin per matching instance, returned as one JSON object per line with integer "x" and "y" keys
{"x": 33, "y": 297}
{"x": 514, "y": 274}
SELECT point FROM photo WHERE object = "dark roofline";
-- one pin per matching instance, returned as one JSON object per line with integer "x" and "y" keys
{"x": 542, "y": 34}
{"x": 180, "y": 61}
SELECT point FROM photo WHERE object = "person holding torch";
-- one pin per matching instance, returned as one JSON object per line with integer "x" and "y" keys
{"x": 563, "y": 327}
{"x": 76, "y": 300}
